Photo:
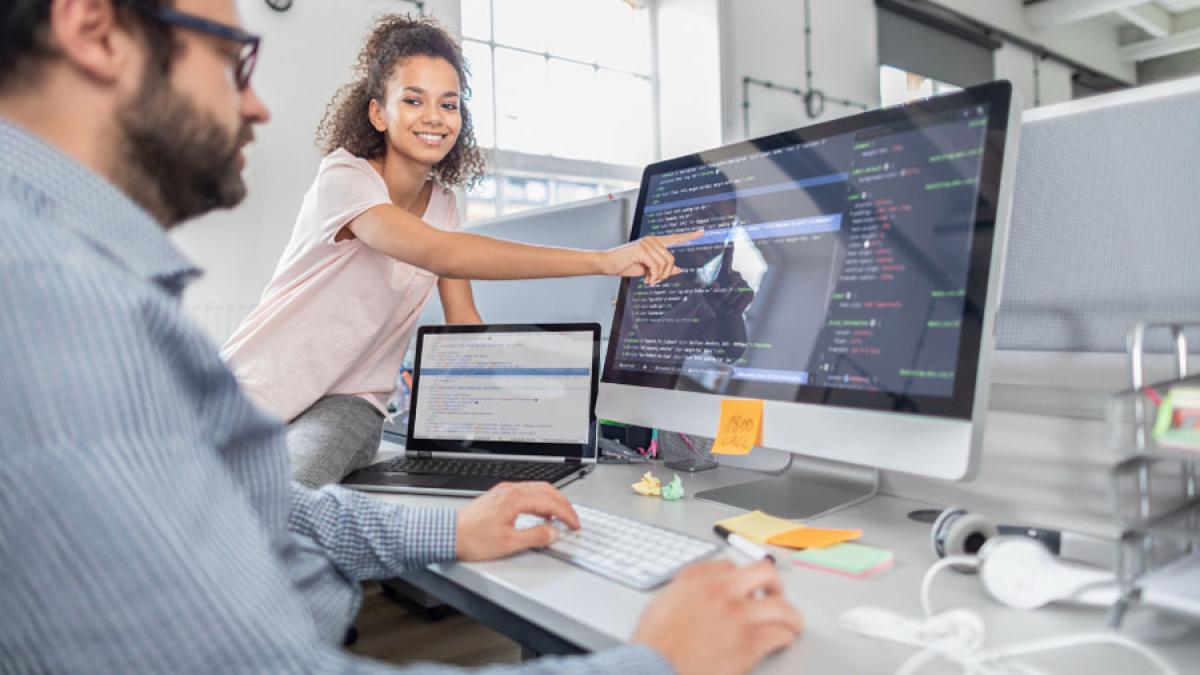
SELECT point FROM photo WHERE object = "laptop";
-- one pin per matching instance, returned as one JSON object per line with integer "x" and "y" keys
{"x": 494, "y": 403}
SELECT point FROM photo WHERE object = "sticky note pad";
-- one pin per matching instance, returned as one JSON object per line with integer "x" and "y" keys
{"x": 812, "y": 537}
{"x": 757, "y": 526}
{"x": 852, "y": 560}
{"x": 740, "y": 427}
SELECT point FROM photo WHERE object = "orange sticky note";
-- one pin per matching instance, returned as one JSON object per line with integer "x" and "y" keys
{"x": 740, "y": 428}
{"x": 812, "y": 537}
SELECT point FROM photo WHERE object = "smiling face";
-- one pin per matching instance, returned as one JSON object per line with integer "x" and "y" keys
{"x": 421, "y": 116}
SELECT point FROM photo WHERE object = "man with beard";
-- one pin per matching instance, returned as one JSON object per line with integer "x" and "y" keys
{"x": 146, "y": 520}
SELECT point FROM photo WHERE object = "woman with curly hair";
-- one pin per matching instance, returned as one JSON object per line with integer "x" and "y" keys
{"x": 377, "y": 230}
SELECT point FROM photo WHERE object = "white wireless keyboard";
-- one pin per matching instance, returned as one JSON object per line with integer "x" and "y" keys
{"x": 623, "y": 549}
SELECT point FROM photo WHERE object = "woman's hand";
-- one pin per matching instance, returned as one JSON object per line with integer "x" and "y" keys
{"x": 646, "y": 257}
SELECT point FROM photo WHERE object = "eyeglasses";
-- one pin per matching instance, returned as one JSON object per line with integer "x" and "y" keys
{"x": 247, "y": 56}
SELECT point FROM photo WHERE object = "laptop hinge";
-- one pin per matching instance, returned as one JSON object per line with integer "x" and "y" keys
{"x": 418, "y": 454}
{"x": 574, "y": 460}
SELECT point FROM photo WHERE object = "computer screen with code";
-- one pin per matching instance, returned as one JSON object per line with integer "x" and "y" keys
{"x": 522, "y": 387}
{"x": 837, "y": 263}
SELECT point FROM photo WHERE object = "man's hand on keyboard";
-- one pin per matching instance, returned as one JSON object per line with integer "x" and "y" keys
{"x": 719, "y": 618}
{"x": 485, "y": 527}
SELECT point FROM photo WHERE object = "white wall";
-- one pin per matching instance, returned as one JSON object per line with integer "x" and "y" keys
{"x": 1017, "y": 66}
{"x": 764, "y": 40}
{"x": 1176, "y": 65}
{"x": 1041, "y": 81}
{"x": 1093, "y": 43}
{"x": 306, "y": 55}
{"x": 688, "y": 39}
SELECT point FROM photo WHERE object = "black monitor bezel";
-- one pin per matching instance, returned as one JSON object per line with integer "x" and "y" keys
{"x": 524, "y": 448}
{"x": 960, "y": 404}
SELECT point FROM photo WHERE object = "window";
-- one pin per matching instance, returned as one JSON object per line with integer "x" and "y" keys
{"x": 563, "y": 93}
{"x": 897, "y": 86}
{"x": 505, "y": 192}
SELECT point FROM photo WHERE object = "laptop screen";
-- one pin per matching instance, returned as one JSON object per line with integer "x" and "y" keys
{"x": 511, "y": 389}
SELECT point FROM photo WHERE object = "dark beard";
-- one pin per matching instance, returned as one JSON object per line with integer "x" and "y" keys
{"x": 175, "y": 160}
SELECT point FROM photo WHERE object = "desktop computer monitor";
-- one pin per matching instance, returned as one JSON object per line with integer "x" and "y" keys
{"x": 848, "y": 277}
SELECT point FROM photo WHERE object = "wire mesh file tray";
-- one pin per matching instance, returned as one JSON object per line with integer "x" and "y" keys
{"x": 1153, "y": 483}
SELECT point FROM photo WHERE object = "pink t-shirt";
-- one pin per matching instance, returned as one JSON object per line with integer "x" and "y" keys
{"x": 337, "y": 317}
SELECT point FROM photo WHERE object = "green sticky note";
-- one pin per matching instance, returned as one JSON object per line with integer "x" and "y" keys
{"x": 673, "y": 490}
{"x": 855, "y": 560}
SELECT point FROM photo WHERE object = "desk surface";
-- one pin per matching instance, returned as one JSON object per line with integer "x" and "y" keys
{"x": 595, "y": 613}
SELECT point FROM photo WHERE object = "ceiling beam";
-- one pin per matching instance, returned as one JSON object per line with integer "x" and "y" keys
{"x": 1050, "y": 13}
{"x": 1174, "y": 43}
{"x": 1152, "y": 19}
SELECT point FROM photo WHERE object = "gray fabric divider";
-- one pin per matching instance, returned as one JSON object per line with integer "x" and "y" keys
{"x": 1105, "y": 227}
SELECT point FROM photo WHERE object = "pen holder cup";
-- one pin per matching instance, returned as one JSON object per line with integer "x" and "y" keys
{"x": 686, "y": 453}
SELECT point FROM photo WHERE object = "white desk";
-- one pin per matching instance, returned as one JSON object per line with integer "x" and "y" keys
{"x": 594, "y": 613}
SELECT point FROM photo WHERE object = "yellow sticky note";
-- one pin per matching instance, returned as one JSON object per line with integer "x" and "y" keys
{"x": 758, "y": 526}
{"x": 740, "y": 428}
{"x": 812, "y": 537}
{"x": 648, "y": 486}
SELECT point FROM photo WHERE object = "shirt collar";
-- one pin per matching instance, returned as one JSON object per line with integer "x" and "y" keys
{"x": 92, "y": 206}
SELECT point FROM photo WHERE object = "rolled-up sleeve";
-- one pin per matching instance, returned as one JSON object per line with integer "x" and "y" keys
{"x": 368, "y": 539}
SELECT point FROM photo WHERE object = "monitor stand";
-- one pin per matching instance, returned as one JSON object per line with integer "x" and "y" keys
{"x": 804, "y": 489}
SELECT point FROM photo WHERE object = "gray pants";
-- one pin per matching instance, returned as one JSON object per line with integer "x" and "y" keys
{"x": 338, "y": 434}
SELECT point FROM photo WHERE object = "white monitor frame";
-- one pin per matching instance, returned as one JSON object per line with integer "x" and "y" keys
{"x": 939, "y": 447}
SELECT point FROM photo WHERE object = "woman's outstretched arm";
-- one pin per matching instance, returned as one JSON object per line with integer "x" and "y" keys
{"x": 462, "y": 255}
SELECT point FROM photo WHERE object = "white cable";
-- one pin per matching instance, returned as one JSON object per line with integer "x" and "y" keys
{"x": 949, "y": 561}
{"x": 957, "y": 635}
{"x": 1075, "y": 640}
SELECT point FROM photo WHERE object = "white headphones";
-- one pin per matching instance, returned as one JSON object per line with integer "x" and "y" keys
{"x": 1018, "y": 571}
{"x": 957, "y": 532}
{"x": 1018, "y": 565}
{"x": 1022, "y": 573}
{"x": 1019, "y": 568}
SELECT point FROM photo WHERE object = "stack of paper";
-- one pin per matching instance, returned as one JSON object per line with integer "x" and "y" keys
{"x": 1175, "y": 587}
{"x": 766, "y": 529}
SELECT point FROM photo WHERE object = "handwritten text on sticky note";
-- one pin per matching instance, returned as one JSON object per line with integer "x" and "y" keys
{"x": 740, "y": 427}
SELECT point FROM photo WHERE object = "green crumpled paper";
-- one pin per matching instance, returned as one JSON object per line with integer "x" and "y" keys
{"x": 673, "y": 490}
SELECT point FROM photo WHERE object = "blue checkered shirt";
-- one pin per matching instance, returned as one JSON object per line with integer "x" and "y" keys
{"x": 147, "y": 520}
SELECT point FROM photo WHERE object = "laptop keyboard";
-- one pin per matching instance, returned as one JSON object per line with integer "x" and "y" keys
{"x": 504, "y": 469}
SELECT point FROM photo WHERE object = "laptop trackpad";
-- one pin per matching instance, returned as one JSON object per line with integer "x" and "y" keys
{"x": 415, "y": 480}
{"x": 368, "y": 479}
{"x": 475, "y": 483}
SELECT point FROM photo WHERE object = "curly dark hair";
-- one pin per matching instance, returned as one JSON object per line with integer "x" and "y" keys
{"x": 395, "y": 38}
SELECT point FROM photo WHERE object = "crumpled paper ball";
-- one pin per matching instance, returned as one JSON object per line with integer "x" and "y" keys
{"x": 648, "y": 486}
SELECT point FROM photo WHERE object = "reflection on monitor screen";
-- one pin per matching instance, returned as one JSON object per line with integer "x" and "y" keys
{"x": 839, "y": 263}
